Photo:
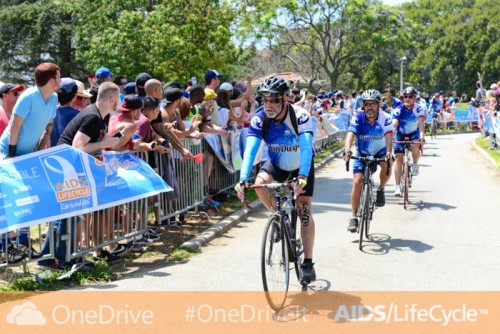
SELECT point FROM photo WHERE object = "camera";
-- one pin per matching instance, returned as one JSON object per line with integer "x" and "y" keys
{"x": 476, "y": 103}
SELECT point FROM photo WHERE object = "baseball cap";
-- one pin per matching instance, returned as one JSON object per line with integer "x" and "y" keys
{"x": 212, "y": 74}
{"x": 493, "y": 86}
{"x": 129, "y": 88}
{"x": 320, "y": 96}
{"x": 8, "y": 87}
{"x": 172, "y": 94}
{"x": 140, "y": 79}
{"x": 68, "y": 86}
{"x": 103, "y": 72}
{"x": 226, "y": 86}
{"x": 209, "y": 94}
{"x": 330, "y": 94}
{"x": 130, "y": 103}
{"x": 81, "y": 90}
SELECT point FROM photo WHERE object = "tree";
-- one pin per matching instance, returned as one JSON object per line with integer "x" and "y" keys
{"x": 35, "y": 32}
{"x": 324, "y": 38}
{"x": 164, "y": 38}
{"x": 454, "y": 40}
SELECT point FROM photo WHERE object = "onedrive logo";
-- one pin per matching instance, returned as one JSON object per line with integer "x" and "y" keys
{"x": 26, "y": 314}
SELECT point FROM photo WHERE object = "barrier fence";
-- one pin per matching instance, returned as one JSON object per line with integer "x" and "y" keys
{"x": 71, "y": 239}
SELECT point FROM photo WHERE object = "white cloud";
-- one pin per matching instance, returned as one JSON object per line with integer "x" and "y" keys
{"x": 26, "y": 314}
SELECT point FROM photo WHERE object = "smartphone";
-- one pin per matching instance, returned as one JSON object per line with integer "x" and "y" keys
{"x": 119, "y": 134}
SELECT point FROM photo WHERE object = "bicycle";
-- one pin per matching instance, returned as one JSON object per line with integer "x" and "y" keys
{"x": 280, "y": 246}
{"x": 406, "y": 175}
{"x": 434, "y": 125}
{"x": 366, "y": 205}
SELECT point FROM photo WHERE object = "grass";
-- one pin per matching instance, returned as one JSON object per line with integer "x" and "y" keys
{"x": 484, "y": 143}
{"x": 182, "y": 253}
{"x": 100, "y": 273}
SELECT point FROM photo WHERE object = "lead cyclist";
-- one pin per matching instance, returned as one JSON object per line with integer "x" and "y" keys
{"x": 290, "y": 142}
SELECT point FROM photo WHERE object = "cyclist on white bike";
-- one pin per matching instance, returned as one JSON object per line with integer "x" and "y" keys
{"x": 409, "y": 122}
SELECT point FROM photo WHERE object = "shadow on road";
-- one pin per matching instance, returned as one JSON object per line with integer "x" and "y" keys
{"x": 381, "y": 244}
{"x": 420, "y": 205}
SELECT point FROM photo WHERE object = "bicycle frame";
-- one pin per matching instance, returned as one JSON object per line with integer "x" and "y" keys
{"x": 366, "y": 205}
{"x": 406, "y": 175}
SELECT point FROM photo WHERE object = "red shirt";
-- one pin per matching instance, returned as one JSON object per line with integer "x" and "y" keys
{"x": 4, "y": 120}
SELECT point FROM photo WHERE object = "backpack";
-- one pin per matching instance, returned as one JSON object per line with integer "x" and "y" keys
{"x": 293, "y": 120}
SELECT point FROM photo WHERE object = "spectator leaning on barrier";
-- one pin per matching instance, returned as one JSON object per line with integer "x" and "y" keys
{"x": 8, "y": 94}
{"x": 29, "y": 130}
{"x": 86, "y": 132}
{"x": 153, "y": 88}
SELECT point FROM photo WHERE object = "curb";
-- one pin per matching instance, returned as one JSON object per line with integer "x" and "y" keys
{"x": 238, "y": 216}
{"x": 484, "y": 153}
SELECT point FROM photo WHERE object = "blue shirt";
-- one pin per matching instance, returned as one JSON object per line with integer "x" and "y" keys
{"x": 36, "y": 113}
{"x": 408, "y": 119}
{"x": 371, "y": 137}
{"x": 64, "y": 115}
{"x": 282, "y": 141}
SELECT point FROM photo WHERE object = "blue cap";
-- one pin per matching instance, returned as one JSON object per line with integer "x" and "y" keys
{"x": 129, "y": 88}
{"x": 103, "y": 72}
{"x": 320, "y": 96}
{"x": 68, "y": 86}
{"x": 330, "y": 94}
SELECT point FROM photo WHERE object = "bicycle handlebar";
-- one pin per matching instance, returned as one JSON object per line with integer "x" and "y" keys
{"x": 368, "y": 159}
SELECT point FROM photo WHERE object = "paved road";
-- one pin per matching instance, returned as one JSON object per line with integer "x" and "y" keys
{"x": 446, "y": 240}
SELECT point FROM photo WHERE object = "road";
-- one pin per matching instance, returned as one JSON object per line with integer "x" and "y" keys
{"x": 446, "y": 240}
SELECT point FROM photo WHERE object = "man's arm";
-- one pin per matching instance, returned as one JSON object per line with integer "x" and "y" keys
{"x": 15, "y": 128}
{"x": 81, "y": 142}
{"x": 172, "y": 138}
{"x": 45, "y": 140}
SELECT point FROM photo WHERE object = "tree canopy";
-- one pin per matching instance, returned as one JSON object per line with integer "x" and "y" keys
{"x": 340, "y": 44}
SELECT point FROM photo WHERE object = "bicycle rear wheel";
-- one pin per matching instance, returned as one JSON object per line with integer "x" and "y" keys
{"x": 275, "y": 267}
{"x": 406, "y": 185}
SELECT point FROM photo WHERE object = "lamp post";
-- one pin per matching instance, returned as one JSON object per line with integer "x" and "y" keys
{"x": 403, "y": 61}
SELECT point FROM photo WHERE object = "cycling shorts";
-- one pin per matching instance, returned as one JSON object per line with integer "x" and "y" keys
{"x": 359, "y": 166}
{"x": 399, "y": 148}
{"x": 280, "y": 175}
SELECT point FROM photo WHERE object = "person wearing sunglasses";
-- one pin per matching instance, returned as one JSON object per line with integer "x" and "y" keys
{"x": 408, "y": 122}
{"x": 372, "y": 130}
{"x": 8, "y": 93}
{"x": 287, "y": 130}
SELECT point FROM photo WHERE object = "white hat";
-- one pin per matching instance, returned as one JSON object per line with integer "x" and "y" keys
{"x": 226, "y": 86}
{"x": 81, "y": 90}
{"x": 493, "y": 86}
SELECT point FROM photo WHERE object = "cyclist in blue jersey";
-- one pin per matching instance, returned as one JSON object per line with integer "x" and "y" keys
{"x": 373, "y": 132}
{"x": 287, "y": 130}
{"x": 409, "y": 122}
{"x": 435, "y": 106}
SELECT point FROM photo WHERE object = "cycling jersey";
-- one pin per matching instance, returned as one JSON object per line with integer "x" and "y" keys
{"x": 287, "y": 150}
{"x": 408, "y": 119}
{"x": 435, "y": 105}
{"x": 371, "y": 137}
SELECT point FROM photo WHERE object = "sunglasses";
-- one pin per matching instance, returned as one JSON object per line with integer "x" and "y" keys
{"x": 15, "y": 93}
{"x": 409, "y": 96}
{"x": 370, "y": 104}
{"x": 272, "y": 99}
{"x": 81, "y": 98}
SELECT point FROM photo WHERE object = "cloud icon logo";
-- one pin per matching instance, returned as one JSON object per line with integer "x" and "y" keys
{"x": 26, "y": 314}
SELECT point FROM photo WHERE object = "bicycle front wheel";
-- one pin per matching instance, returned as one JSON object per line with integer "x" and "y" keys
{"x": 406, "y": 170}
{"x": 365, "y": 214}
{"x": 275, "y": 266}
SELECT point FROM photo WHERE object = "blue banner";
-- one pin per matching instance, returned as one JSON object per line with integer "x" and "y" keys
{"x": 62, "y": 182}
